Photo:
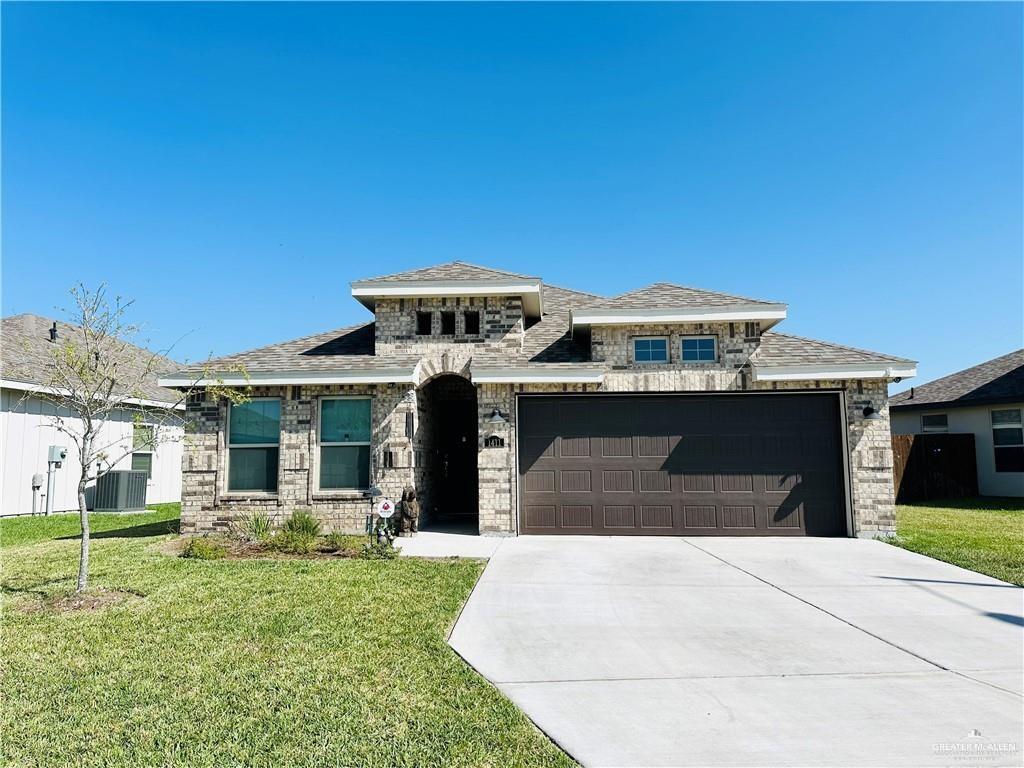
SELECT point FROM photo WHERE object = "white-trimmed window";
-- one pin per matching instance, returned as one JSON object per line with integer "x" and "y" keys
{"x": 1008, "y": 439}
{"x": 650, "y": 349}
{"x": 254, "y": 438}
{"x": 934, "y": 422}
{"x": 698, "y": 349}
{"x": 344, "y": 436}
{"x": 142, "y": 449}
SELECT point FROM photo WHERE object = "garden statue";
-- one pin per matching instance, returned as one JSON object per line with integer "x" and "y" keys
{"x": 408, "y": 512}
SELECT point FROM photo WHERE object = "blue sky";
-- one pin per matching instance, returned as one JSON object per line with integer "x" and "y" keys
{"x": 232, "y": 166}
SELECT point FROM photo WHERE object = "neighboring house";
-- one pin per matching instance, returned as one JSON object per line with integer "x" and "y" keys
{"x": 524, "y": 408}
{"x": 27, "y": 425}
{"x": 987, "y": 401}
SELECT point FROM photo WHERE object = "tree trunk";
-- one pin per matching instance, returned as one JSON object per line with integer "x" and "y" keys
{"x": 83, "y": 515}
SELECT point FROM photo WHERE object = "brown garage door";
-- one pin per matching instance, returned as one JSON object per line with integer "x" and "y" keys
{"x": 731, "y": 465}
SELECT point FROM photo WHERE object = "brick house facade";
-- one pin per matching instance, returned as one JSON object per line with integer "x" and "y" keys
{"x": 446, "y": 364}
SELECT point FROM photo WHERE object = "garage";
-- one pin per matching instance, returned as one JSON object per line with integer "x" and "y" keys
{"x": 693, "y": 465}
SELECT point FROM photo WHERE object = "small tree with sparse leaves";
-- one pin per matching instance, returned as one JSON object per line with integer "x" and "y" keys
{"x": 95, "y": 374}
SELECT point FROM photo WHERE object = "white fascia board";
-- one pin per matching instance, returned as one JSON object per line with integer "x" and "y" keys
{"x": 24, "y": 386}
{"x": 535, "y": 376}
{"x": 281, "y": 378}
{"x": 848, "y": 371}
{"x": 732, "y": 313}
{"x": 530, "y": 290}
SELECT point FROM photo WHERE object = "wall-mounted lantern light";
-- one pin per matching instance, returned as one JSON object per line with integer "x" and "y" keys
{"x": 870, "y": 414}
{"x": 497, "y": 417}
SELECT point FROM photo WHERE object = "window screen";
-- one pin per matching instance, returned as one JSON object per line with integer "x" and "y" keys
{"x": 472, "y": 323}
{"x": 1008, "y": 439}
{"x": 448, "y": 323}
{"x": 345, "y": 443}
{"x": 254, "y": 431}
{"x": 423, "y": 321}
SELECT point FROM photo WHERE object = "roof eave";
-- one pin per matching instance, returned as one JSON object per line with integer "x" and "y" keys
{"x": 530, "y": 289}
{"x": 27, "y": 386}
{"x": 889, "y": 370}
{"x": 283, "y": 378}
{"x": 931, "y": 405}
{"x": 769, "y": 313}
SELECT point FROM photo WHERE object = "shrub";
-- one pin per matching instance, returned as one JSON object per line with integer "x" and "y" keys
{"x": 303, "y": 523}
{"x": 340, "y": 542}
{"x": 255, "y": 526}
{"x": 292, "y": 543}
{"x": 375, "y": 551}
{"x": 203, "y": 548}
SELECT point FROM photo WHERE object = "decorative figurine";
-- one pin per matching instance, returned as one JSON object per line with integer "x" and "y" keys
{"x": 408, "y": 512}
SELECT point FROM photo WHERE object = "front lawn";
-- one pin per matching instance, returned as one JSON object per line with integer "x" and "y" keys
{"x": 157, "y": 519}
{"x": 983, "y": 534}
{"x": 242, "y": 662}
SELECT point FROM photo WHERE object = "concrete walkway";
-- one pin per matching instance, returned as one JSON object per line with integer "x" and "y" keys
{"x": 448, "y": 544}
{"x": 768, "y": 652}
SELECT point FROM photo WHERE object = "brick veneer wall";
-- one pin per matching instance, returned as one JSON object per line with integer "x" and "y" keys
{"x": 207, "y": 506}
{"x": 501, "y": 325}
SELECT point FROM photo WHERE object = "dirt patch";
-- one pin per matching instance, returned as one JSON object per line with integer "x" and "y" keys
{"x": 82, "y": 602}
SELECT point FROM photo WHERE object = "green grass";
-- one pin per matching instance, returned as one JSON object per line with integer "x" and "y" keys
{"x": 243, "y": 662}
{"x": 157, "y": 519}
{"x": 984, "y": 535}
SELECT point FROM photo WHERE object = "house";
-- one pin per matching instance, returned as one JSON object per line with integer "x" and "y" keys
{"x": 516, "y": 407}
{"x": 27, "y": 427}
{"x": 986, "y": 401}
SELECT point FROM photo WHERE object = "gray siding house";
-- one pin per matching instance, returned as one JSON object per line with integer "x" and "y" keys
{"x": 985, "y": 400}
{"x": 516, "y": 407}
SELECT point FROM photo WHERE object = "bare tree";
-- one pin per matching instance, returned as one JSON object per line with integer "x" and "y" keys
{"x": 97, "y": 375}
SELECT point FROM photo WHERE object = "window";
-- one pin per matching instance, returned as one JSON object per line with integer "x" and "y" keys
{"x": 344, "y": 443}
{"x": 423, "y": 322}
{"x": 448, "y": 323}
{"x": 653, "y": 349}
{"x": 254, "y": 433}
{"x": 699, "y": 349}
{"x": 143, "y": 462}
{"x": 1008, "y": 439}
{"x": 142, "y": 448}
{"x": 934, "y": 422}
{"x": 472, "y": 323}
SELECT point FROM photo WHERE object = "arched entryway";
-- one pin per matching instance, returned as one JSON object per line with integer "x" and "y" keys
{"x": 447, "y": 472}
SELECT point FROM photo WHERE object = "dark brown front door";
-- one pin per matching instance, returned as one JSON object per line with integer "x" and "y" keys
{"x": 732, "y": 465}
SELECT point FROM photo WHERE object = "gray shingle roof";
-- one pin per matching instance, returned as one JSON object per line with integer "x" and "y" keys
{"x": 548, "y": 343}
{"x": 996, "y": 381}
{"x": 342, "y": 349}
{"x": 785, "y": 349}
{"x": 453, "y": 270}
{"x": 671, "y": 296}
{"x": 27, "y": 355}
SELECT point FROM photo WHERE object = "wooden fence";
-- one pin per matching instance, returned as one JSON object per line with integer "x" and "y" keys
{"x": 936, "y": 466}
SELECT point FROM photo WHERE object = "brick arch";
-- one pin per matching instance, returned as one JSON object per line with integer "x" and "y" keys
{"x": 444, "y": 364}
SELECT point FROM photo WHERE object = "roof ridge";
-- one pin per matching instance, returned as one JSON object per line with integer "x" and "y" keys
{"x": 441, "y": 265}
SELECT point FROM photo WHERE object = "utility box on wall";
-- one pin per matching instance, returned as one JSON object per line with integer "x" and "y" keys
{"x": 121, "y": 490}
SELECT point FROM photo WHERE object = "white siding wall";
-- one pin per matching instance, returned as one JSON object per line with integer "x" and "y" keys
{"x": 979, "y": 421}
{"x": 27, "y": 432}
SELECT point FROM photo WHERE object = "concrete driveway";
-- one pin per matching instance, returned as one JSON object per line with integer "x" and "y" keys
{"x": 753, "y": 652}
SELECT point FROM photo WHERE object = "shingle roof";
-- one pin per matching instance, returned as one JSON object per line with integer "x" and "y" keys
{"x": 997, "y": 381}
{"x": 28, "y": 354}
{"x": 671, "y": 296}
{"x": 342, "y": 349}
{"x": 784, "y": 349}
{"x": 453, "y": 270}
